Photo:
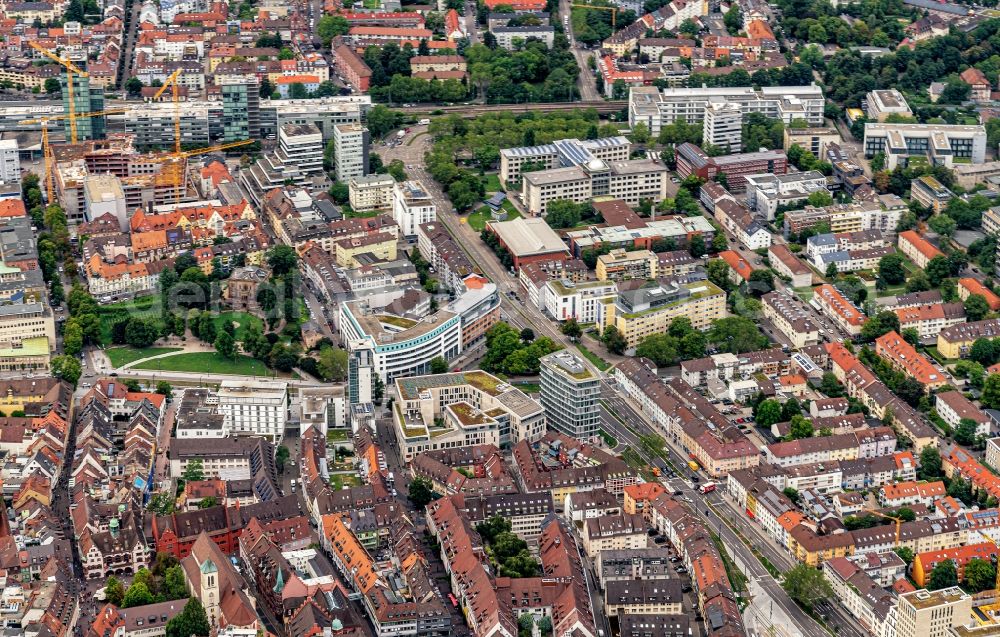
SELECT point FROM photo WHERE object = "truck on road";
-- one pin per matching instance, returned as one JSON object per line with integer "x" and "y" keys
{"x": 708, "y": 487}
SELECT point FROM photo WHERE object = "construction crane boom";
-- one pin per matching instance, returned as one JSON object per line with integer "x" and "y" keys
{"x": 172, "y": 160}
{"x": 70, "y": 70}
{"x": 898, "y": 521}
{"x": 172, "y": 81}
{"x": 47, "y": 154}
{"x": 613, "y": 10}
{"x": 996, "y": 584}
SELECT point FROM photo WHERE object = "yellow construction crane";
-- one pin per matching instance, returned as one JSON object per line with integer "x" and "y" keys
{"x": 613, "y": 10}
{"x": 898, "y": 521}
{"x": 47, "y": 148}
{"x": 70, "y": 70}
{"x": 174, "y": 168}
{"x": 172, "y": 81}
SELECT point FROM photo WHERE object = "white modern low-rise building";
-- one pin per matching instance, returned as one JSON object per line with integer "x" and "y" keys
{"x": 765, "y": 192}
{"x": 584, "y": 301}
{"x": 942, "y": 144}
{"x": 412, "y": 205}
{"x": 254, "y": 407}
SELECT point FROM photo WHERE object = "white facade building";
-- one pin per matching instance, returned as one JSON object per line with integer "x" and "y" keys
{"x": 350, "y": 151}
{"x": 584, "y": 301}
{"x": 254, "y": 407}
{"x": 411, "y": 206}
{"x": 10, "y": 162}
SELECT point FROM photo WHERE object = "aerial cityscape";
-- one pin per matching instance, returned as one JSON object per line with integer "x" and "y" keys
{"x": 499, "y": 318}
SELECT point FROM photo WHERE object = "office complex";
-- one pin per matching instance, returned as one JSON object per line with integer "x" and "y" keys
{"x": 941, "y": 144}
{"x": 765, "y": 192}
{"x": 570, "y": 390}
{"x": 298, "y": 159}
{"x": 561, "y": 154}
{"x": 692, "y": 160}
{"x": 350, "y": 151}
{"x": 10, "y": 161}
{"x": 581, "y": 171}
{"x": 881, "y": 104}
{"x": 656, "y": 108}
{"x": 412, "y": 205}
{"x": 723, "y": 125}
{"x": 240, "y": 109}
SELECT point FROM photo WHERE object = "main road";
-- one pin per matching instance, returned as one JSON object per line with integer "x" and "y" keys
{"x": 411, "y": 153}
{"x": 585, "y": 80}
{"x": 723, "y": 517}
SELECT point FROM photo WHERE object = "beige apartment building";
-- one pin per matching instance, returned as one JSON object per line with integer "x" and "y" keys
{"x": 619, "y": 265}
{"x": 932, "y": 613}
{"x": 371, "y": 192}
{"x": 650, "y": 309}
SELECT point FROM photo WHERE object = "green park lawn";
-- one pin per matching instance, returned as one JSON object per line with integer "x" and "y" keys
{"x": 492, "y": 183}
{"x": 208, "y": 363}
{"x": 242, "y": 319}
{"x": 124, "y": 355}
{"x": 477, "y": 220}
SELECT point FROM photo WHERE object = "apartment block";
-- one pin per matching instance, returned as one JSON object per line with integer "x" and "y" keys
{"x": 371, "y": 192}
{"x": 620, "y": 265}
{"x": 657, "y": 108}
{"x": 953, "y": 407}
{"x": 650, "y": 309}
{"x": 632, "y": 181}
{"x": 940, "y": 143}
{"x": 791, "y": 319}
{"x": 254, "y": 407}
{"x": 930, "y": 319}
{"x": 412, "y": 205}
{"x": 350, "y": 151}
{"x": 723, "y": 125}
{"x": 765, "y": 192}
{"x": 904, "y": 358}
{"x": 930, "y": 193}
{"x": 584, "y": 301}
{"x": 835, "y": 305}
{"x": 955, "y": 341}
{"x": 692, "y": 160}
{"x": 815, "y": 140}
{"x": 10, "y": 162}
{"x": 918, "y": 249}
{"x": 924, "y": 613}
{"x": 786, "y": 264}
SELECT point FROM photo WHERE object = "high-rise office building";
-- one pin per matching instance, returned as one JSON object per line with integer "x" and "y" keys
{"x": 240, "y": 110}
{"x": 570, "y": 389}
{"x": 85, "y": 100}
{"x": 350, "y": 151}
{"x": 360, "y": 375}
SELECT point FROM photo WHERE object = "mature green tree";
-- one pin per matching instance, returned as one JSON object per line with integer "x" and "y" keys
{"x": 736, "y": 334}
{"x": 976, "y": 307}
{"x": 281, "y": 456}
{"x": 905, "y": 553}
{"x": 72, "y": 337}
{"x": 191, "y": 622}
{"x": 133, "y": 86}
{"x": 930, "y": 463}
{"x": 768, "y": 413}
{"x": 882, "y": 323}
{"x": 891, "y": 270}
{"x": 571, "y": 329}
{"x": 137, "y": 595}
{"x": 991, "y": 392}
{"x": 420, "y": 492}
{"x": 943, "y": 225}
{"x": 114, "y": 591}
{"x": 67, "y": 368}
{"x": 938, "y": 269}
{"x": 439, "y": 365}
{"x": 614, "y": 340}
{"x": 163, "y": 388}
{"x": 965, "y": 433}
{"x": 330, "y": 26}
{"x": 282, "y": 259}
{"x": 225, "y": 345}
{"x": 944, "y": 575}
{"x": 332, "y": 364}
{"x": 174, "y": 584}
{"x": 980, "y": 575}
{"x": 800, "y": 428}
{"x": 806, "y": 585}
{"x": 194, "y": 471}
